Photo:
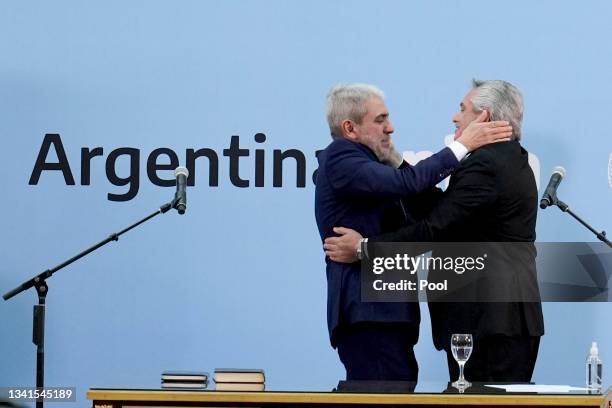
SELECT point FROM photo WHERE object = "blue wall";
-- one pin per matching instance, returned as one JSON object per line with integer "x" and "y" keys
{"x": 239, "y": 280}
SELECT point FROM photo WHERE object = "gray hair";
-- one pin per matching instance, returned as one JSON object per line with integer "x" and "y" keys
{"x": 503, "y": 101}
{"x": 348, "y": 102}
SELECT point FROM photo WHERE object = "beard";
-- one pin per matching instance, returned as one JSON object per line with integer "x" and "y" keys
{"x": 383, "y": 153}
{"x": 383, "y": 149}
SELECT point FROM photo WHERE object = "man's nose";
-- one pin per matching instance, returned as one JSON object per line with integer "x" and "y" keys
{"x": 389, "y": 128}
{"x": 456, "y": 118}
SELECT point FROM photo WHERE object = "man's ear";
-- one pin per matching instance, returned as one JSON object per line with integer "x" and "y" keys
{"x": 483, "y": 116}
{"x": 487, "y": 115}
{"x": 348, "y": 129}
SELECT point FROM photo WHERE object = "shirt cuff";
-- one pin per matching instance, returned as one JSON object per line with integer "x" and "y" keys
{"x": 459, "y": 150}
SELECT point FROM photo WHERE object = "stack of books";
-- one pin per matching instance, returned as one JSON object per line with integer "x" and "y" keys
{"x": 237, "y": 379}
{"x": 192, "y": 380}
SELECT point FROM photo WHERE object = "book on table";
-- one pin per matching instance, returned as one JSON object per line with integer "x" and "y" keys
{"x": 228, "y": 386}
{"x": 181, "y": 375}
{"x": 239, "y": 375}
{"x": 184, "y": 385}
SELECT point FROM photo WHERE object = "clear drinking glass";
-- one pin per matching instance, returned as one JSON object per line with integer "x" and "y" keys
{"x": 461, "y": 347}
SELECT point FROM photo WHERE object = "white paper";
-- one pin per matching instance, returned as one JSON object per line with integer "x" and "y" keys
{"x": 537, "y": 388}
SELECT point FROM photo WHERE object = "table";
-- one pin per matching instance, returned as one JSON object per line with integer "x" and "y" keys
{"x": 117, "y": 398}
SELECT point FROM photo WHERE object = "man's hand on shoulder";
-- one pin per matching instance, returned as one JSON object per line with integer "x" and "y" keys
{"x": 343, "y": 248}
{"x": 480, "y": 133}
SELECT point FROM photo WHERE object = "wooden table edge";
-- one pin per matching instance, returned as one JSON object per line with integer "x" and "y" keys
{"x": 343, "y": 398}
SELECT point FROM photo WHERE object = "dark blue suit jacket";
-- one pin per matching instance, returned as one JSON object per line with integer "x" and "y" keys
{"x": 354, "y": 190}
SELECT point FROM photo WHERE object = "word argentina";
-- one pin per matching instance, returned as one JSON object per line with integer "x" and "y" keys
{"x": 233, "y": 153}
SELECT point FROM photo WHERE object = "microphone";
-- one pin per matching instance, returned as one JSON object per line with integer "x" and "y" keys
{"x": 180, "y": 197}
{"x": 550, "y": 194}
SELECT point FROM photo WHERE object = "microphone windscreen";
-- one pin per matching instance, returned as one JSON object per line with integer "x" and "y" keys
{"x": 181, "y": 170}
{"x": 560, "y": 170}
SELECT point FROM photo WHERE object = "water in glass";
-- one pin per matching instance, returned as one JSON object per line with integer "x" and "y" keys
{"x": 461, "y": 347}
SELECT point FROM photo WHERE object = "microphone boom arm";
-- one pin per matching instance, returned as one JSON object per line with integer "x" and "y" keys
{"x": 565, "y": 208}
{"x": 39, "y": 282}
{"x": 112, "y": 237}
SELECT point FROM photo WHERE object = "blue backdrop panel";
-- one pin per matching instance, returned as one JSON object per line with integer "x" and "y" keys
{"x": 239, "y": 280}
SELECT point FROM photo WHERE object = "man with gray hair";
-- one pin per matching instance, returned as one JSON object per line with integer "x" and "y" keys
{"x": 492, "y": 197}
{"x": 354, "y": 188}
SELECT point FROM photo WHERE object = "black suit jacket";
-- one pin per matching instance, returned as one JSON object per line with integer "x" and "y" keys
{"x": 492, "y": 197}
